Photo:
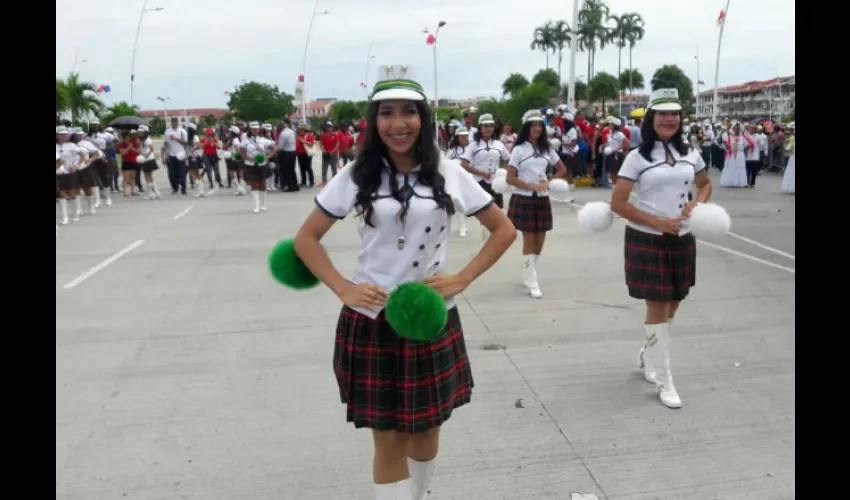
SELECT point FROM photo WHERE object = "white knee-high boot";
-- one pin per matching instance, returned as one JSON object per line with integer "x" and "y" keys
{"x": 658, "y": 354}
{"x": 400, "y": 490}
{"x": 420, "y": 475}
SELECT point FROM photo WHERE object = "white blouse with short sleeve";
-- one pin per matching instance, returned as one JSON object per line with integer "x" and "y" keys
{"x": 531, "y": 166}
{"x": 485, "y": 156}
{"x": 662, "y": 189}
{"x": 393, "y": 253}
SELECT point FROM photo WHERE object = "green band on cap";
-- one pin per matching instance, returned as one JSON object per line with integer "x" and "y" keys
{"x": 664, "y": 100}
{"x": 398, "y": 84}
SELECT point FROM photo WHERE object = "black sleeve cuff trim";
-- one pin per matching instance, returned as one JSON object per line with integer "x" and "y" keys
{"x": 326, "y": 211}
{"x": 485, "y": 207}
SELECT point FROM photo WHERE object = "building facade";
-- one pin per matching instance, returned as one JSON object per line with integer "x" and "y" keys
{"x": 757, "y": 100}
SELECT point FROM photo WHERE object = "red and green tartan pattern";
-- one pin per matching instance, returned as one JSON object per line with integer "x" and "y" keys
{"x": 388, "y": 382}
{"x": 660, "y": 268}
{"x": 530, "y": 214}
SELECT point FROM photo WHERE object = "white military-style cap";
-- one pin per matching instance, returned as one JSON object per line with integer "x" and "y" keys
{"x": 665, "y": 100}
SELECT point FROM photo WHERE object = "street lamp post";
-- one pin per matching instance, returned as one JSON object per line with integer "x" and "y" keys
{"x": 436, "y": 93}
{"x": 304, "y": 60}
{"x": 135, "y": 46}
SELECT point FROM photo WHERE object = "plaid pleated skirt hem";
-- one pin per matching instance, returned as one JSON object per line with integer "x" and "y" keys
{"x": 389, "y": 382}
{"x": 660, "y": 268}
{"x": 530, "y": 214}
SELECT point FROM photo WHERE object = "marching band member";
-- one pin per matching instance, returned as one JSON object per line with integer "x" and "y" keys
{"x": 458, "y": 145}
{"x": 660, "y": 251}
{"x": 67, "y": 180}
{"x": 255, "y": 147}
{"x": 530, "y": 209}
{"x": 149, "y": 162}
{"x": 484, "y": 155}
{"x": 86, "y": 177}
{"x": 405, "y": 196}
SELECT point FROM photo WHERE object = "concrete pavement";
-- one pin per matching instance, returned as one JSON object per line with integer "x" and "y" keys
{"x": 185, "y": 372}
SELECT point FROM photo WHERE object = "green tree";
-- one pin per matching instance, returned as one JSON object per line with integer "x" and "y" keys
{"x": 77, "y": 97}
{"x": 255, "y": 101}
{"x": 547, "y": 77}
{"x": 512, "y": 84}
{"x": 672, "y": 76}
{"x": 631, "y": 79}
{"x": 118, "y": 110}
{"x": 349, "y": 111}
{"x": 544, "y": 40}
{"x": 604, "y": 87}
{"x": 157, "y": 126}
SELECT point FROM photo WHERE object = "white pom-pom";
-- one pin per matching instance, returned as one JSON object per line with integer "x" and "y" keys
{"x": 227, "y": 155}
{"x": 709, "y": 220}
{"x": 181, "y": 155}
{"x": 559, "y": 188}
{"x": 596, "y": 216}
{"x": 608, "y": 150}
{"x": 500, "y": 185}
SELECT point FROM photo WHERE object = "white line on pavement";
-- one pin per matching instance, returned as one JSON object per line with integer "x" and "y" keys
{"x": 103, "y": 265}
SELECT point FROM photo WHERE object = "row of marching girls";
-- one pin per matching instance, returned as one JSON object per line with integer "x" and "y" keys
{"x": 82, "y": 167}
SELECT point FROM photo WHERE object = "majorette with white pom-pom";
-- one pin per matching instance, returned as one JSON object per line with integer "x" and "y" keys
{"x": 660, "y": 248}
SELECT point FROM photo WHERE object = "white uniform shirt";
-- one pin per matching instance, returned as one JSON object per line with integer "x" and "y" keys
{"x": 174, "y": 147}
{"x": 531, "y": 166}
{"x": 255, "y": 145}
{"x": 616, "y": 140}
{"x": 485, "y": 155}
{"x": 69, "y": 152}
{"x": 662, "y": 189}
{"x": 456, "y": 153}
{"x": 426, "y": 229}
{"x": 89, "y": 151}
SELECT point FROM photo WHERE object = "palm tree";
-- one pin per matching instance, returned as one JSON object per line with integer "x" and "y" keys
{"x": 592, "y": 29}
{"x": 562, "y": 35}
{"x": 118, "y": 110}
{"x": 514, "y": 83}
{"x": 633, "y": 28}
{"x": 544, "y": 39}
{"x": 81, "y": 97}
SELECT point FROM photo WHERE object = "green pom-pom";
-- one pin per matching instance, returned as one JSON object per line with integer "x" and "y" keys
{"x": 415, "y": 311}
{"x": 259, "y": 157}
{"x": 237, "y": 157}
{"x": 288, "y": 269}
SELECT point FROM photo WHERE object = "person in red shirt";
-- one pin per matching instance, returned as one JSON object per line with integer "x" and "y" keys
{"x": 211, "y": 146}
{"x": 304, "y": 143}
{"x": 329, "y": 142}
{"x": 129, "y": 148}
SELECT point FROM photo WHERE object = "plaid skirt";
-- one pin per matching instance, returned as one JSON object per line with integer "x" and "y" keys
{"x": 530, "y": 214}
{"x": 660, "y": 268}
{"x": 388, "y": 382}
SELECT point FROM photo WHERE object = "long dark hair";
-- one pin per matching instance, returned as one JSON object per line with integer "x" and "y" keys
{"x": 525, "y": 136}
{"x": 648, "y": 137}
{"x": 369, "y": 166}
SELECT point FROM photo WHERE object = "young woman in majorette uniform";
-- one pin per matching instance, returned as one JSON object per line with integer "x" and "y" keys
{"x": 66, "y": 181}
{"x": 86, "y": 176}
{"x": 457, "y": 148}
{"x": 484, "y": 155}
{"x": 257, "y": 173}
{"x": 405, "y": 195}
{"x": 530, "y": 209}
{"x": 660, "y": 251}
{"x": 149, "y": 165}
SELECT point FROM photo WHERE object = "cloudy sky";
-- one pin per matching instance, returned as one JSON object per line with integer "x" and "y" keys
{"x": 194, "y": 50}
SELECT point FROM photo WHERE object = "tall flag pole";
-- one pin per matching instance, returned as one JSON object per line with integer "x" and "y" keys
{"x": 721, "y": 22}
